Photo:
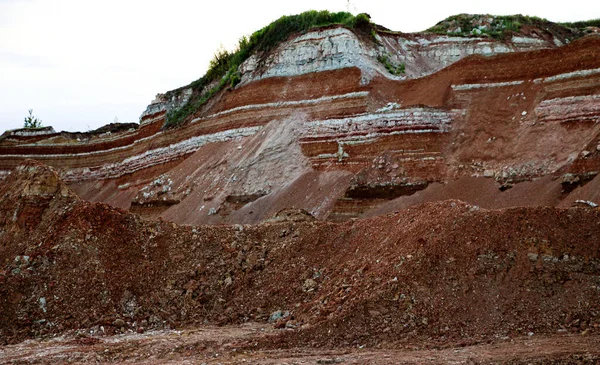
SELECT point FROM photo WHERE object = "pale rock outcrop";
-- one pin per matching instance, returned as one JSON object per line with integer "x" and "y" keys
{"x": 315, "y": 51}
{"x": 165, "y": 103}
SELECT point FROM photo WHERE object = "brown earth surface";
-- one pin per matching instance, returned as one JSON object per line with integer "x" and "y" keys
{"x": 441, "y": 275}
{"x": 225, "y": 345}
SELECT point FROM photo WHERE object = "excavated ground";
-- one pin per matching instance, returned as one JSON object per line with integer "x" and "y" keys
{"x": 417, "y": 286}
{"x": 223, "y": 345}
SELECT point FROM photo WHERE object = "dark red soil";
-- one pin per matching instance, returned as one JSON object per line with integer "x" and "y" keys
{"x": 441, "y": 274}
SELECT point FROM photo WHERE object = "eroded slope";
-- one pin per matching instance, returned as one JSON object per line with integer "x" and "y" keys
{"x": 329, "y": 122}
{"x": 443, "y": 272}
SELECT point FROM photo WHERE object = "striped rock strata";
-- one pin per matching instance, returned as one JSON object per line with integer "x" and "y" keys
{"x": 319, "y": 124}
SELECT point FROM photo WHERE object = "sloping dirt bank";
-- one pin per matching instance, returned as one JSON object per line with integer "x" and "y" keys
{"x": 444, "y": 273}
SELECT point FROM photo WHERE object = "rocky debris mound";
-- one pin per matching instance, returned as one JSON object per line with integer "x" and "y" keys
{"x": 34, "y": 179}
{"x": 444, "y": 271}
{"x": 31, "y": 194}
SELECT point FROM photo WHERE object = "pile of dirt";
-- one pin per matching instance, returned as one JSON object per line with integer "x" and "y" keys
{"x": 444, "y": 272}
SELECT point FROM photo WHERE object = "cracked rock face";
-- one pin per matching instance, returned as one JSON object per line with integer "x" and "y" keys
{"x": 337, "y": 48}
{"x": 43, "y": 181}
{"x": 166, "y": 103}
{"x": 314, "y": 51}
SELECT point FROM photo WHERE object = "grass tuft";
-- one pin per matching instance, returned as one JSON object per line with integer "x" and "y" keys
{"x": 396, "y": 70}
{"x": 583, "y": 24}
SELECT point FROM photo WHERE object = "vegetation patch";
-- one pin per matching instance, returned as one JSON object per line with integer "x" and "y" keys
{"x": 582, "y": 25}
{"x": 32, "y": 122}
{"x": 466, "y": 25}
{"x": 396, "y": 70}
{"x": 224, "y": 66}
{"x": 499, "y": 27}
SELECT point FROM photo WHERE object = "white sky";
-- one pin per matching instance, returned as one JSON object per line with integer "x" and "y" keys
{"x": 79, "y": 64}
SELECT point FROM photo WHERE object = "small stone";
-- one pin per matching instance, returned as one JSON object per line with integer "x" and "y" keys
{"x": 524, "y": 113}
{"x": 42, "y": 302}
{"x": 569, "y": 318}
{"x": 585, "y": 153}
{"x": 277, "y": 315}
{"x": 309, "y": 285}
{"x": 585, "y": 203}
{"x": 119, "y": 322}
{"x": 374, "y": 313}
{"x": 570, "y": 179}
{"x": 329, "y": 361}
{"x": 532, "y": 256}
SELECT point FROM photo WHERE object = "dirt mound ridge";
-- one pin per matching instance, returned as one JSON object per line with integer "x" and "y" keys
{"x": 442, "y": 271}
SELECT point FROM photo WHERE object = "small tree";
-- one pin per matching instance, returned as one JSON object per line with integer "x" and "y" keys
{"x": 31, "y": 121}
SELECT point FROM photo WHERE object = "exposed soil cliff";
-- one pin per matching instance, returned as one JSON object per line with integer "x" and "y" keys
{"x": 329, "y": 123}
{"x": 469, "y": 157}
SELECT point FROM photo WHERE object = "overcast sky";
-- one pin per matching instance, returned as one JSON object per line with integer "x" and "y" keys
{"x": 80, "y": 64}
